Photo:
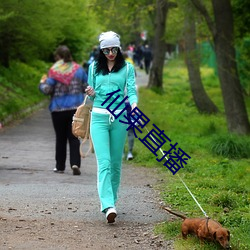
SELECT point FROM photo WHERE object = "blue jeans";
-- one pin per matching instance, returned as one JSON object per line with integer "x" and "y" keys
{"x": 108, "y": 139}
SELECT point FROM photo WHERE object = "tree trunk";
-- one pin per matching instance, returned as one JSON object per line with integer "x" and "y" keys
{"x": 201, "y": 99}
{"x": 235, "y": 109}
{"x": 159, "y": 47}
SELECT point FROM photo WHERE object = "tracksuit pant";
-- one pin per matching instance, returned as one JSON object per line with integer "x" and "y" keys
{"x": 108, "y": 139}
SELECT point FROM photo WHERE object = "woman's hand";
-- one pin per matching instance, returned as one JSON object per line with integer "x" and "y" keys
{"x": 134, "y": 105}
{"x": 90, "y": 91}
{"x": 43, "y": 79}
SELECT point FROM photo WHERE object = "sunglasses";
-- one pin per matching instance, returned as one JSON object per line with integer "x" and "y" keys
{"x": 106, "y": 51}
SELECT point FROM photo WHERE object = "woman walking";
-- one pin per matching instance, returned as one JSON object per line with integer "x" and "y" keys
{"x": 65, "y": 84}
{"x": 107, "y": 74}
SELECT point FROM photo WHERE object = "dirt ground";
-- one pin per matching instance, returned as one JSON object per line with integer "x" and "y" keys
{"x": 40, "y": 209}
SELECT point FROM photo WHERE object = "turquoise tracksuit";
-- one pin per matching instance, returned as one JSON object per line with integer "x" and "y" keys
{"x": 109, "y": 134}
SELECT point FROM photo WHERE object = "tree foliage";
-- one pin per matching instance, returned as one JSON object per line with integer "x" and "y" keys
{"x": 241, "y": 18}
{"x": 175, "y": 25}
{"x": 242, "y": 34}
{"x": 126, "y": 17}
{"x": 28, "y": 33}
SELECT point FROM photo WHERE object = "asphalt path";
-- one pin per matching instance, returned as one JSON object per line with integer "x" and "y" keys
{"x": 26, "y": 164}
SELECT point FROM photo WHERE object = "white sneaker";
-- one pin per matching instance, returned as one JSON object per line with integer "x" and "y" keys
{"x": 111, "y": 214}
{"x": 130, "y": 156}
{"x": 58, "y": 171}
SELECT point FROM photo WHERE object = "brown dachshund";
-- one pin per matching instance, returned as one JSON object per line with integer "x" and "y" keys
{"x": 204, "y": 228}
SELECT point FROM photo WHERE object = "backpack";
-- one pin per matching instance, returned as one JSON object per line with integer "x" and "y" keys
{"x": 81, "y": 126}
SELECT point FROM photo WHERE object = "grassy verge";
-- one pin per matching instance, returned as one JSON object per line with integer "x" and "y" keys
{"x": 19, "y": 88}
{"x": 218, "y": 171}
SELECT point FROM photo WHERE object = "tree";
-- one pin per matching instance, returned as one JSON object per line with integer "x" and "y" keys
{"x": 28, "y": 33}
{"x": 159, "y": 46}
{"x": 201, "y": 99}
{"x": 223, "y": 38}
{"x": 127, "y": 17}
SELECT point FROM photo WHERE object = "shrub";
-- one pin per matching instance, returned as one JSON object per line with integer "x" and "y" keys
{"x": 231, "y": 146}
{"x": 223, "y": 200}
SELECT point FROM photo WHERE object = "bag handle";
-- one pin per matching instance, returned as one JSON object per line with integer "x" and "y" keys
{"x": 83, "y": 155}
{"x": 91, "y": 148}
{"x": 85, "y": 99}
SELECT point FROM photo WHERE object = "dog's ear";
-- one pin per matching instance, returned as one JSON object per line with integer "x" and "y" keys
{"x": 228, "y": 237}
{"x": 214, "y": 235}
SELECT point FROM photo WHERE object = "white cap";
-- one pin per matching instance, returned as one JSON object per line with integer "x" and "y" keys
{"x": 109, "y": 39}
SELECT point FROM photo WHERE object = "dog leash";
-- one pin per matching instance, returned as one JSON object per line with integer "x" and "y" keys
{"x": 193, "y": 197}
{"x": 205, "y": 214}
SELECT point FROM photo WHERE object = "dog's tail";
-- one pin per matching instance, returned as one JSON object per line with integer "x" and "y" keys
{"x": 175, "y": 213}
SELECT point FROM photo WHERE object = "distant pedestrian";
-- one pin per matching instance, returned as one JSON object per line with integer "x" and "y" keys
{"x": 93, "y": 55}
{"x": 138, "y": 56}
{"x": 147, "y": 54}
{"x": 131, "y": 136}
{"x": 65, "y": 84}
{"x": 109, "y": 73}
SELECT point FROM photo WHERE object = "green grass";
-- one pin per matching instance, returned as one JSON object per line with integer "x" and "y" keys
{"x": 231, "y": 146}
{"x": 19, "y": 87}
{"x": 218, "y": 171}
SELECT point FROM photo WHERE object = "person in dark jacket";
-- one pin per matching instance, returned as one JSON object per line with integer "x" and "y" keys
{"x": 147, "y": 54}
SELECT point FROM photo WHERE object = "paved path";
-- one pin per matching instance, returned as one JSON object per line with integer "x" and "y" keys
{"x": 141, "y": 78}
{"x": 31, "y": 191}
{"x": 26, "y": 163}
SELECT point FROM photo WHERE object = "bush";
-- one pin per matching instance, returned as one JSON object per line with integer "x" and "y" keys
{"x": 231, "y": 146}
{"x": 224, "y": 200}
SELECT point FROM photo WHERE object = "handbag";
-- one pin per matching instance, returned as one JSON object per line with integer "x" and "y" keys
{"x": 81, "y": 126}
